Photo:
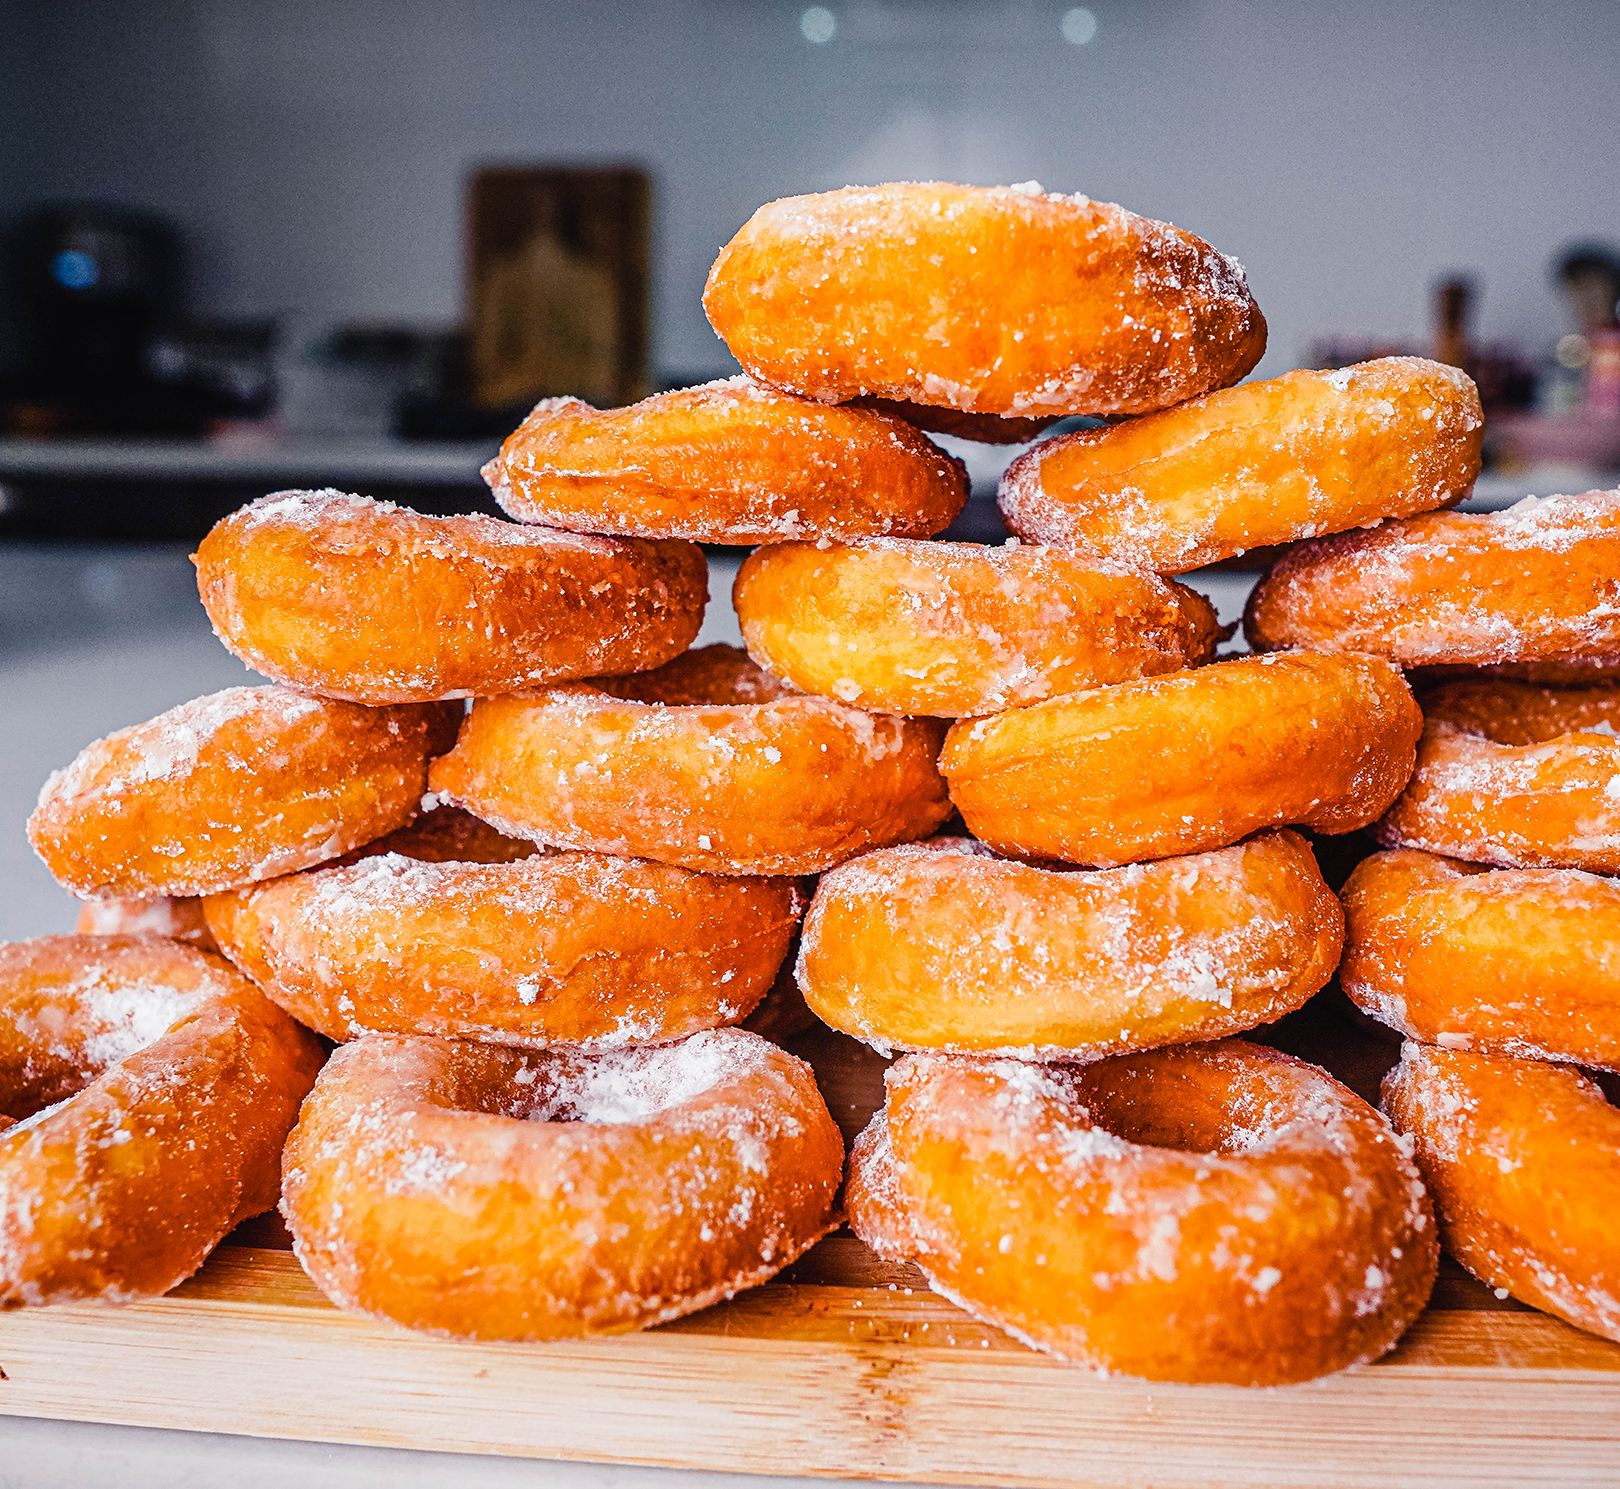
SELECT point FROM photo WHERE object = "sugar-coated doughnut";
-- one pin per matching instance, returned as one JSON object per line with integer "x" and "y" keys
{"x": 359, "y": 599}
{"x": 149, "y": 1089}
{"x": 1209, "y": 1212}
{"x": 1188, "y": 762}
{"x": 445, "y": 834}
{"x": 1521, "y": 962}
{"x": 1304, "y": 454}
{"x": 573, "y": 948}
{"x": 233, "y": 787}
{"x": 941, "y": 946}
{"x": 490, "y": 1193}
{"x": 707, "y": 763}
{"x": 1516, "y": 775}
{"x": 1523, "y": 1161}
{"x": 984, "y": 429}
{"x": 155, "y": 915}
{"x": 1539, "y": 582}
{"x": 960, "y": 629}
{"x": 989, "y": 300}
{"x": 728, "y": 462}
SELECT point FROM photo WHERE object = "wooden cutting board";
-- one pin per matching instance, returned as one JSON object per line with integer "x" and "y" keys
{"x": 844, "y": 1366}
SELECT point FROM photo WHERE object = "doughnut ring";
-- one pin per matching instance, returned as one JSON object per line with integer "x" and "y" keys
{"x": 998, "y": 300}
{"x": 1523, "y": 1161}
{"x": 572, "y": 948}
{"x": 707, "y": 763}
{"x": 358, "y": 599}
{"x": 1301, "y": 455}
{"x": 178, "y": 918}
{"x": 233, "y": 787}
{"x": 940, "y": 946}
{"x": 1188, "y": 762}
{"x": 147, "y": 1090}
{"x": 597, "y": 1192}
{"x": 1539, "y": 582}
{"x": 960, "y": 629}
{"x": 1515, "y": 775}
{"x": 728, "y": 462}
{"x": 1164, "y": 1215}
{"x": 1506, "y": 962}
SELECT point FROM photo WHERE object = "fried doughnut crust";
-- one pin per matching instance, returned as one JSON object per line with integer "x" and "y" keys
{"x": 728, "y": 462}
{"x": 1515, "y": 775}
{"x": 987, "y": 300}
{"x": 1304, "y": 454}
{"x": 1207, "y": 1213}
{"x": 1188, "y": 762}
{"x": 486, "y": 1193}
{"x": 1539, "y": 582}
{"x": 960, "y": 629}
{"x": 1523, "y": 1161}
{"x": 984, "y": 429}
{"x": 940, "y": 946}
{"x": 1523, "y": 963}
{"x": 565, "y": 949}
{"x": 234, "y": 787}
{"x": 154, "y": 1087}
{"x": 746, "y": 778}
{"x": 181, "y": 919}
{"x": 363, "y": 600}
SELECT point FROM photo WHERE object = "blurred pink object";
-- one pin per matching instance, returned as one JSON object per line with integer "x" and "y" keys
{"x": 1585, "y": 438}
{"x": 1603, "y": 373}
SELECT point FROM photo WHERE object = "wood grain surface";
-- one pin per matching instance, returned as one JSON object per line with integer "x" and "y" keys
{"x": 845, "y": 1366}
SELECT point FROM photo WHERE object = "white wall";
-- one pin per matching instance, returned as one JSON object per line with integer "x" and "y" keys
{"x": 1348, "y": 153}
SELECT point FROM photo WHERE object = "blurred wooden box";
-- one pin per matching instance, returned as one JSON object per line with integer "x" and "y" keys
{"x": 558, "y": 264}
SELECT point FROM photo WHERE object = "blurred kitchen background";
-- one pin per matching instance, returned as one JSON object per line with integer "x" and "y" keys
{"x": 247, "y": 244}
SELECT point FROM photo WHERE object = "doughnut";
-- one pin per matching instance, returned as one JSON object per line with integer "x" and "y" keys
{"x": 1188, "y": 762}
{"x": 1523, "y": 1161}
{"x": 158, "y": 915}
{"x": 1205, "y": 1213}
{"x": 708, "y": 763}
{"x": 941, "y": 946}
{"x": 363, "y": 600}
{"x": 729, "y": 462}
{"x": 573, "y": 948}
{"x": 445, "y": 834}
{"x": 998, "y": 300}
{"x": 488, "y": 1193}
{"x": 1515, "y": 775}
{"x": 1301, "y": 455}
{"x": 1539, "y": 582}
{"x": 960, "y": 629}
{"x": 1520, "y": 962}
{"x": 233, "y": 787}
{"x": 984, "y": 429}
{"x": 148, "y": 1089}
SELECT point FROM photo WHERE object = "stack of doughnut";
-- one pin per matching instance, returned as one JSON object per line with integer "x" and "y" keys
{"x": 528, "y": 859}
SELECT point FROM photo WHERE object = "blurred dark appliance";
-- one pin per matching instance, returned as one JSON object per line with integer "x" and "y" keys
{"x": 97, "y": 291}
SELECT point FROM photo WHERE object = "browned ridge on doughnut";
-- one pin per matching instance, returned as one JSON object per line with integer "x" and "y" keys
{"x": 1304, "y": 454}
{"x": 728, "y": 462}
{"x": 1539, "y": 582}
{"x": 1205, "y": 1213}
{"x": 987, "y": 300}
{"x": 358, "y": 599}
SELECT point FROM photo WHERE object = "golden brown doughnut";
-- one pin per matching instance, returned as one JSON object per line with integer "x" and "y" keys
{"x": 1506, "y": 962}
{"x": 572, "y": 948}
{"x": 1188, "y": 762}
{"x": 181, "y": 919}
{"x": 234, "y": 787}
{"x": 153, "y": 1087}
{"x": 489, "y": 1193}
{"x": 364, "y": 600}
{"x": 984, "y": 429}
{"x": 1304, "y": 454}
{"x": 941, "y": 946}
{"x": 1523, "y": 1161}
{"x": 1539, "y": 582}
{"x": 444, "y": 834}
{"x": 960, "y": 629}
{"x": 988, "y": 300}
{"x": 1208, "y": 1212}
{"x": 1512, "y": 774}
{"x": 685, "y": 767}
{"x": 728, "y": 462}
